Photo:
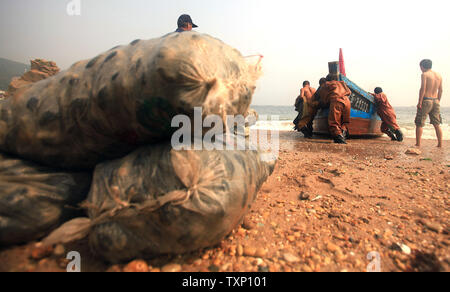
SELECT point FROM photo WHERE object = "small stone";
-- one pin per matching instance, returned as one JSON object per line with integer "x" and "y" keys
{"x": 434, "y": 227}
{"x": 332, "y": 247}
{"x": 241, "y": 232}
{"x": 40, "y": 251}
{"x": 316, "y": 198}
{"x": 400, "y": 265}
{"x": 395, "y": 247}
{"x": 406, "y": 249}
{"x": 225, "y": 267}
{"x": 249, "y": 251}
{"x": 43, "y": 264}
{"x": 334, "y": 214}
{"x": 248, "y": 224}
{"x": 290, "y": 258}
{"x": 212, "y": 268}
{"x": 232, "y": 250}
{"x": 63, "y": 263}
{"x": 358, "y": 263}
{"x": 261, "y": 252}
{"x": 296, "y": 229}
{"x": 137, "y": 266}
{"x": 365, "y": 220}
{"x": 258, "y": 262}
{"x": 114, "y": 269}
{"x": 217, "y": 262}
{"x": 171, "y": 268}
{"x": 240, "y": 250}
{"x": 413, "y": 151}
{"x": 59, "y": 250}
{"x": 304, "y": 196}
{"x": 30, "y": 268}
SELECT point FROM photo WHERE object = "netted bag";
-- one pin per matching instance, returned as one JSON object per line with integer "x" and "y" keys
{"x": 35, "y": 200}
{"x": 161, "y": 201}
{"x": 104, "y": 108}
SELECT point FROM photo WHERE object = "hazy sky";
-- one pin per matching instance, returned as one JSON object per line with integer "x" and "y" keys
{"x": 383, "y": 41}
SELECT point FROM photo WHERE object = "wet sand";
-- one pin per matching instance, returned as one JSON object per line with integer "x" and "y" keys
{"x": 325, "y": 208}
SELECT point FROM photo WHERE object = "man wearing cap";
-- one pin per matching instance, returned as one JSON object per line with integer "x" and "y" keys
{"x": 185, "y": 23}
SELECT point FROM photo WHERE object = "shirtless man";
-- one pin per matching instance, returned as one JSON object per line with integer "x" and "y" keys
{"x": 429, "y": 102}
{"x": 306, "y": 95}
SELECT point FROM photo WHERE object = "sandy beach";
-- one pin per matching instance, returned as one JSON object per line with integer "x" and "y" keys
{"x": 325, "y": 208}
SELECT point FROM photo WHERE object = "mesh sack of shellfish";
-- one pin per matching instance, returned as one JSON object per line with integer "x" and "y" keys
{"x": 161, "y": 201}
{"x": 34, "y": 200}
{"x": 106, "y": 107}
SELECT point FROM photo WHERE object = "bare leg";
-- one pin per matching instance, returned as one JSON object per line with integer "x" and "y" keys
{"x": 419, "y": 132}
{"x": 439, "y": 135}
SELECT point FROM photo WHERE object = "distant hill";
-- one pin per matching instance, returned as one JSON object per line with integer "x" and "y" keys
{"x": 10, "y": 69}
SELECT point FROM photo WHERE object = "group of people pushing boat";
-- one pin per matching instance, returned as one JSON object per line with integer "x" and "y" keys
{"x": 334, "y": 94}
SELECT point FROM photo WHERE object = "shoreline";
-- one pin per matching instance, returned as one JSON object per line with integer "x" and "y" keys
{"x": 286, "y": 127}
{"x": 289, "y": 140}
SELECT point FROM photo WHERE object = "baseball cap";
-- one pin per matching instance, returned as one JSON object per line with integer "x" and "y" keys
{"x": 185, "y": 19}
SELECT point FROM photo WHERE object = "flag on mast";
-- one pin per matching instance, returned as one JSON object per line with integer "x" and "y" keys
{"x": 341, "y": 63}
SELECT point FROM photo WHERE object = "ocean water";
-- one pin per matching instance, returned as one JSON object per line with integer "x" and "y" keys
{"x": 405, "y": 119}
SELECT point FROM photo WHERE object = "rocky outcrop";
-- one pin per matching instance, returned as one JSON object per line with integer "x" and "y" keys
{"x": 40, "y": 70}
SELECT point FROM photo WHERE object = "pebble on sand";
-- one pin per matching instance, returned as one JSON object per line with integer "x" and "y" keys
{"x": 413, "y": 151}
{"x": 114, "y": 269}
{"x": 248, "y": 225}
{"x": 137, "y": 266}
{"x": 240, "y": 250}
{"x": 290, "y": 258}
{"x": 304, "y": 196}
{"x": 332, "y": 247}
{"x": 261, "y": 253}
{"x": 249, "y": 251}
{"x": 405, "y": 249}
{"x": 59, "y": 250}
{"x": 40, "y": 251}
{"x": 435, "y": 227}
{"x": 171, "y": 268}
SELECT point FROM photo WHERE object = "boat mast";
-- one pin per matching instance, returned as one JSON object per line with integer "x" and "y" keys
{"x": 341, "y": 63}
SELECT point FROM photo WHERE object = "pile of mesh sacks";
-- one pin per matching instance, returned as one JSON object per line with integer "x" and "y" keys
{"x": 87, "y": 152}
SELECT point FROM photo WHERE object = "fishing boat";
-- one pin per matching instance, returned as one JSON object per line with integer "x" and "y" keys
{"x": 364, "y": 120}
